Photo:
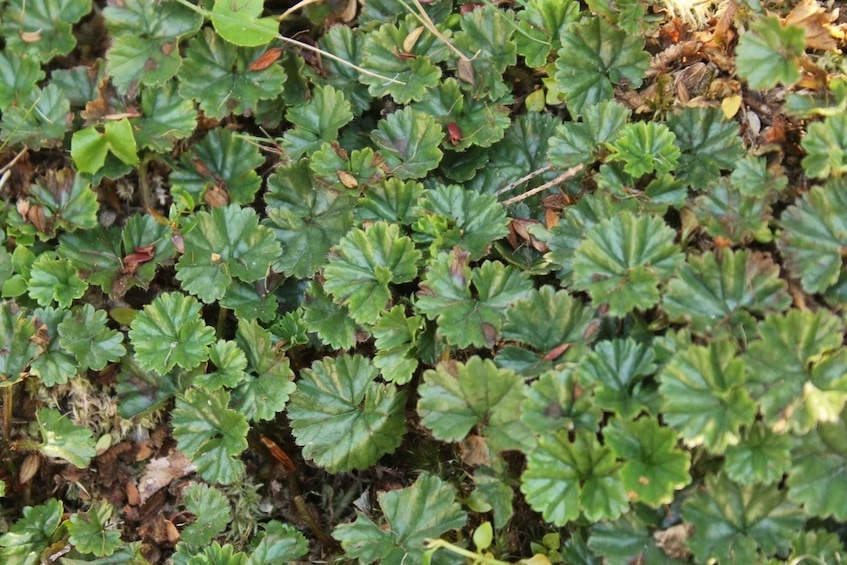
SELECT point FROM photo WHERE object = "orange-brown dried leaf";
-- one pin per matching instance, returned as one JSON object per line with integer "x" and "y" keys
{"x": 266, "y": 59}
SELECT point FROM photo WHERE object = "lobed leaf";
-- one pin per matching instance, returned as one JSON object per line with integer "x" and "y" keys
{"x": 409, "y": 142}
{"x": 768, "y": 53}
{"x": 63, "y": 439}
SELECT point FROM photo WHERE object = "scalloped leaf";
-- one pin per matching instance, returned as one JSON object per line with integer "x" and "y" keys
{"x": 168, "y": 332}
{"x": 825, "y": 144}
{"x": 38, "y": 528}
{"x": 486, "y": 37}
{"x": 41, "y": 119}
{"x": 457, "y": 398}
{"x": 557, "y": 326}
{"x": 43, "y": 28}
{"x": 413, "y": 71}
{"x": 583, "y": 142}
{"x": 426, "y": 509}
{"x": 342, "y": 417}
{"x": 559, "y": 400}
{"x": 726, "y": 212}
{"x": 346, "y": 44}
{"x": 395, "y": 337}
{"x": 451, "y": 216}
{"x": 307, "y": 218}
{"x": 84, "y": 335}
{"x": 715, "y": 293}
{"x": 542, "y": 23}
{"x": 211, "y": 510}
{"x": 653, "y": 466}
{"x": 623, "y": 260}
{"x": 760, "y": 457}
{"x": 222, "y": 160}
{"x": 19, "y": 75}
{"x": 409, "y": 142}
{"x": 731, "y": 521}
{"x": 618, "y": 368}
{"x": 165, "y": 119}
{"x": 218, "y": 76}
{"x": 709, "y": 144}
{"x": 63, "y": 439}
{"x": 364, "y": 263}
{"x": 465, "y": 315}
{"x": 89, "y": 531}
{"x": 645, "y": 147}
{"x": 53, "y": 279}
{"x": 594, "y": 57}
{"x": 819, "y": 461}
{"x": 332, "y": 322}
{"x": 566, "y": 478}
{"x": 223, "y": 245}
{"x": 769, "y": 52}
{"x": 704, "y": 397}
{"x": 392, "y": 200}
{"x": 54, "y": 365}
{"x": 316, "y": 121}
{"x": 814, "y": 231}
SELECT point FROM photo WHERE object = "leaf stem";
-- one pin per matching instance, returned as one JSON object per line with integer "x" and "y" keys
{"x": 476, "y": 557}
{"x": 8, "y": 398}
{"x": 307, "y": 517}
{"x": 147, "y": 200}
{"x": 220, "y": 326}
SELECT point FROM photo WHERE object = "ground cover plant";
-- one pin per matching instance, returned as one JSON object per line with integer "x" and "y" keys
{"x": 538, "y": 281}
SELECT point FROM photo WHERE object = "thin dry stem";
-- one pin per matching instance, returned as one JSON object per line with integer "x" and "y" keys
{"x": 561, "y": 178}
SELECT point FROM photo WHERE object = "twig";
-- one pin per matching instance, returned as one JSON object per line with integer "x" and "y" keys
{"x": 14, "y": 160}
{"x": 563, "y": 177}
{"x": 511, "y": 186}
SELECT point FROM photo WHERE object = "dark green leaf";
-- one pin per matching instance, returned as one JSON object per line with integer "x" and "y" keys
{"x": 278, "y": 543}
{"x": 392, "y": 200}
{"x": 542, "y": 23}
{"x": 316, "y": 121}
{"x": 618, "y": 368}
{"x": 825, "y": 144}
{"x": 89, "y": 532}
{"x": 819, "y": 462}
{"x": 760, "y": 457}
{"x": 165, "y": 119}
{"x": 582, "y": 142}
{"x": 42, "y": 28}
{"x": 19, "y": 75}
{"x": 708, "y": 142}
{"x": 486, "y": 37}
{"x": 342, "y": 418}
{"x": 212, "y": 513}
{"x": 559, "y": 400}
{"x": 54, "y": 365}
{"x": 39, "y": 120}
{"x": 768, "y": 53}
{"x": 39, "y": 527}
{"x": 409, "y": 142}
{"x": 84, "y": 334}
{"x": 332, "y": 322}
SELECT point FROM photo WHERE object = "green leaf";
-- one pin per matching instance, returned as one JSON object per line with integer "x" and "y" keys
{"x": 542, "y": 23}
{"x": 53, "y": 279}
{"x": 169, "y": 331}
{"x": 450, "y": 216}
{"x": 39, "y": 120}
{"x": 713, "y": 292}
{"x": 262, "y": 397}
{"x": 42, "y": 28}
{"x": 89, "y": 533}
{"x": 645, "y": 147}
{"x": 653, "y": 466}
{"x": 414, "y": 72}
{"x": 223, "y": 160}
{"x": 457, "y": 398}
{"x": 358, "y": 169}
{"x": 135, "y": 60}
{"x": 316, "y": 121}
{"x": 768, "y": 53}
{"x": 138, "y": 17}
{"x": 212, "y": 513}
{"x": 797, "y": 357}
{"x": 330, "y": 321}
{"x": 495, "y": 492}
{"x": 364, "y": 263}
{"x": 819, "y": 461}
{"x": 409, "y": 142}
{"x": 760, "y": 457}
{"x": 594, "y": 57}
{"x": 345, "y": 44}
{"x": 468, "y": 304}
{"x": 63, "y": 439}
{"x": 583, "y": 142}
{"x": 84, "y": 335}
{"x": 38, "y": 528}
{"x": 557, "y": 327}
{"x": 395, "y": 336}
{"x": 753, "y": 177}
{"x": 565, "y": 478}
{"x": 623, "y": 261}
{"x": 54, "y": 365}
{"x": 140, "y": 392}
{"x": 278, "y": 543}
{"x": 559, "y": 400}
{"x": 342, "y": 418}
{"x": 89, "y": 147}
{"x": 626, "y": 540}
{"x": 479, "y": 122}
{"x": 391, "y": 200}
{"x": 825, "y": 144}
{"x": 629, "y": 15}
{"x": 426, "y": 509}
{"x": 704, "y": 395}
{"x": 210, "y": 434}
{"x": 165, "y": 119}
{"x": 814, "y": 231}
{"x": 730, "y": 521}
{"x": 217, "y": 74}
{"x": 19, "y": 75}
{"x": 709, "y": 143}
{"x": 67, "y": 200}
{"x": 239, "y": 23}
{"x": 307, "y": 218}
{"x": 486, "y": 37}
{"x": 618, "y": 368}
{"x": 223, "y": 245}
{"x": 726, "y": 212}
{"x": 229, "y": 361}
{"x": 820, "y": 544}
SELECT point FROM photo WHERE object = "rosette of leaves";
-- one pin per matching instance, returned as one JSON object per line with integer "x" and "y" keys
{"x": 623, "y": 260}
{"x": 407, "y": 53}
{"x": 364, "y": 263}
{"x": 468, "y": 121}
{"x": 594, "y": 57}
{"x": 425, "y": 509}
{"x": 342, "y": 417}
{"x": 468, "y": 303}
{"x": 551, "y": 328}
{"x": 221, "y": 77}
{"x": 450, "y": 216}
{"x": 145, "y": 41}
